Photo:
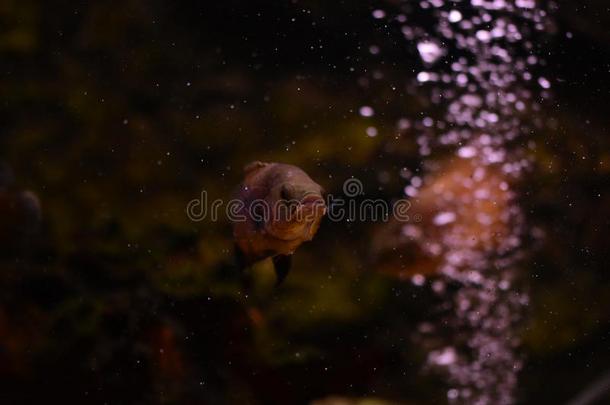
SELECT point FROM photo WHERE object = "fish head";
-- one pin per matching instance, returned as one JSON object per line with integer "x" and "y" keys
{"x": 298, "y": 208}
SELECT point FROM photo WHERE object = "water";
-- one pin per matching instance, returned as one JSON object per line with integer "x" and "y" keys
{"x": 480, "y": 71}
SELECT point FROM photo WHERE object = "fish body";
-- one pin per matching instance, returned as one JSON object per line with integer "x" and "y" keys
{"x": 280, "y": 208}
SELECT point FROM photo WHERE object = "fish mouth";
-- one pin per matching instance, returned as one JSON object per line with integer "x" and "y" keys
{"x": 312, "y": 206}
{"x": 312, "y": 199}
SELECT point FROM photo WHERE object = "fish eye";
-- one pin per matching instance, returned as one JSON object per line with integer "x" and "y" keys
{"x": 285, "y": 193}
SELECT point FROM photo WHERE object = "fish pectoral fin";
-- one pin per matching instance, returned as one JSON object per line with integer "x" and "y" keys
{"x": 282, "y": 265}
{"x": 254, "y": 166}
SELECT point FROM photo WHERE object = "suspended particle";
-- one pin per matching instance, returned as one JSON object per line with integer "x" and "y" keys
{"x": 367, "y": 111}
{"x": 378, "y": 14}
{"x": 371, "y": 132}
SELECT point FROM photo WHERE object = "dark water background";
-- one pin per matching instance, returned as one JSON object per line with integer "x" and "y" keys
{"x": 116, "y": 114}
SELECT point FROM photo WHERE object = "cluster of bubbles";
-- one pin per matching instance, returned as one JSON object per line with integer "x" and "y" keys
{"x": 476, "y": 236}
{"x": 478, "y": 71}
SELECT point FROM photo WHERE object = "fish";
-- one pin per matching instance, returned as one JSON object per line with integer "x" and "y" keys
{"x": 458, "y": 197}
{"x": 280, "y": 207}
